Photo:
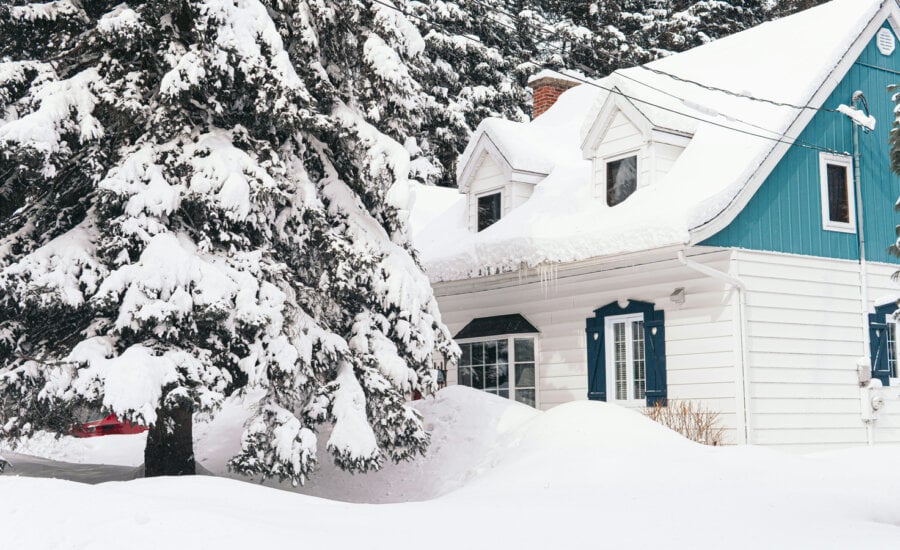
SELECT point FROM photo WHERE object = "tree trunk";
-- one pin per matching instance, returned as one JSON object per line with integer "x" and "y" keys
{"x": 170, "y": 444}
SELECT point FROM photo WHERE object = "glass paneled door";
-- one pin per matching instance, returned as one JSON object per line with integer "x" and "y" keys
{"x": 626, "y": 377}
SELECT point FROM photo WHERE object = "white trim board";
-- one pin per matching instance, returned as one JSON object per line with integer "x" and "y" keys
{"x": 846, "y": 162}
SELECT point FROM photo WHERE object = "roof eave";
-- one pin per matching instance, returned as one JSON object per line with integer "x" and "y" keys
{"x": 514, "y": 277}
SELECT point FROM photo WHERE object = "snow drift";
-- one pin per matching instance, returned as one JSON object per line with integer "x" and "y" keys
{"x": 497, "y": 474}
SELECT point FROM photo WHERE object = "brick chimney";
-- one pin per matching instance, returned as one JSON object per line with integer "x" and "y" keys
{"x": 548, "y": 86}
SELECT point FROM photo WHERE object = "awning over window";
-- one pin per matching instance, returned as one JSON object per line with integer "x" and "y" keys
{"x": 494, "y": 326}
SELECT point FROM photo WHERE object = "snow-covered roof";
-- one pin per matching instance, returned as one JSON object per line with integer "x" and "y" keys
{"x": 796, "y": 60}
{"x": 536, "y": 147}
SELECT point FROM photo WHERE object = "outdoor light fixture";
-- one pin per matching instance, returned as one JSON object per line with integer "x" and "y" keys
{"x": 677, "y": 295}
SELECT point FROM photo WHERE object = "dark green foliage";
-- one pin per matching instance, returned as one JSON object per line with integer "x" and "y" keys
{"x": 201, "y": 197}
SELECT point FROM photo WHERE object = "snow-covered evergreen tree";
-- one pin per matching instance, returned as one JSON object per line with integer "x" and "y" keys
{"x": 787, "y": 7}
{"x": 894, "y": 140}
{"x": 473, "y": 52}
{"x": 600, "y": 36}
{"x": 201, "y": 196}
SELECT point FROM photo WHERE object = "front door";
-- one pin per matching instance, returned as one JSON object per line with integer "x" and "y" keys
{"x": 626, "y": 354}
{"x": 626, "y": 379}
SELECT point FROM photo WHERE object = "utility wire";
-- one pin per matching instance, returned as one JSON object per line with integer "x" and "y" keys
{"x": 664, "y": 92}
{"x": 550, "y": 34}
{"x": 736, "y": 94}
{"x": 796, "y": 142}
{"x": 635, "y": 99}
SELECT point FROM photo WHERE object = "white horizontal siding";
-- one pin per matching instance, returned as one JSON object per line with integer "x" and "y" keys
{"x": 664, "y": 157}
{"x": 805, "y": 338}
{"x": 699, "y": 338}
{"x": 621, "y": 136}
{"x": 519, "y": 193}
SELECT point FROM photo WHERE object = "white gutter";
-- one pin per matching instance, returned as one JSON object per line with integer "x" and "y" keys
{"x": 741, "y": 293}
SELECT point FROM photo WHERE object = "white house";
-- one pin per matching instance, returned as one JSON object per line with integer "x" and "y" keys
{"x": 712, "y": 226}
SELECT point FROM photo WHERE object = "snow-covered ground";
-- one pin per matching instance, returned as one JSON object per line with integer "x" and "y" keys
{"x": 498, "y": 474}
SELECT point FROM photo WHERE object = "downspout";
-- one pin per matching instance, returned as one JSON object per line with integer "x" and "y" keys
{"x": 741, "y": 290}
{"x": 861, "y": 242}
{"x": 860, "y": 229}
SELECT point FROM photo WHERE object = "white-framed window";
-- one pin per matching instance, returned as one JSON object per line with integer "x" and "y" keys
{"x": 838, "y": 204}
{"x": 488, "y": 209}
{"x": 893, "y": 356}
{"x": 502, "y": 365}
{"x": 626, "y": 362}
{"x": 621, "y": 177}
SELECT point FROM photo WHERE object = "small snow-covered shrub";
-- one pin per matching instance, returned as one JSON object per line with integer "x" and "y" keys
{"x": 690, "y": 419}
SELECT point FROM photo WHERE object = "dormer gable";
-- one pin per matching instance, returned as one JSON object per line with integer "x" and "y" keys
{"x": 624, "y": 145}
{"x": 485, "y": 151}
{"x": 487, "y": 146}
{"x": 617, "y": 114}
{"x": 498, "y": 172}
{"x": 493, "y": 190}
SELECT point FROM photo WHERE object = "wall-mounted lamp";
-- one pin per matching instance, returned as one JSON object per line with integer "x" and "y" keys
{"x": 677, "y": 295}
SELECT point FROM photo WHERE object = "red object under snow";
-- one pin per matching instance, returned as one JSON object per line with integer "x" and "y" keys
{"x": 107, "y": 426}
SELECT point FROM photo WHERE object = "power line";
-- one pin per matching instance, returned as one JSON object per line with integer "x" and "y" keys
{"x": 549, "y": 35}
{"x": 711, "y": 122}
{"x": 679, "y": 98}
{"x": 635, "y": 99}
{"x": 736, "y": 94}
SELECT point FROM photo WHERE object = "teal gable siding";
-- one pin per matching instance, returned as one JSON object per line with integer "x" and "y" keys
{"x": 785, "y": 214}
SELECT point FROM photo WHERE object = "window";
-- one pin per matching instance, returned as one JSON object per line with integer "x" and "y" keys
{"x": 488, "y": 210}
{"x": 838, "y": 205}
{"x": 626, "y": 354}
{"x": 892, "y": 346}
{"x": 621, "y": 179}
{"x": 884, "y": 349}
{"x": 524, "y": 383}
{"x": 485, "y": 365}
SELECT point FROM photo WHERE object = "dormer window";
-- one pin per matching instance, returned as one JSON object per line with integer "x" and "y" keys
{"x": 621, "y": 179}
{"x": 836, "y": 180}
{"x": 488, "y": 210}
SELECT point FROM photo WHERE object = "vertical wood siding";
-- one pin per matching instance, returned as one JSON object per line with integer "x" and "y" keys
{"x": 785, "y": 214}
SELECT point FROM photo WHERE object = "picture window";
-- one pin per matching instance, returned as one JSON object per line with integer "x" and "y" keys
{"x": 504, "y": 367}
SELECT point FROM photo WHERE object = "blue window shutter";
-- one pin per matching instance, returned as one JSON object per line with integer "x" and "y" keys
{"x": 596, "y": 360}
{"x": 655, "y": 342}
{"x": 878, "y": 348}
{"x": 878, "y": 343}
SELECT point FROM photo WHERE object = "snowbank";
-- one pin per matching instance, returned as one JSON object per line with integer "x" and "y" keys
{"x": 498, "y": 474}
{"x": 458, "y": 419}
{"x": 124, "y": 450}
